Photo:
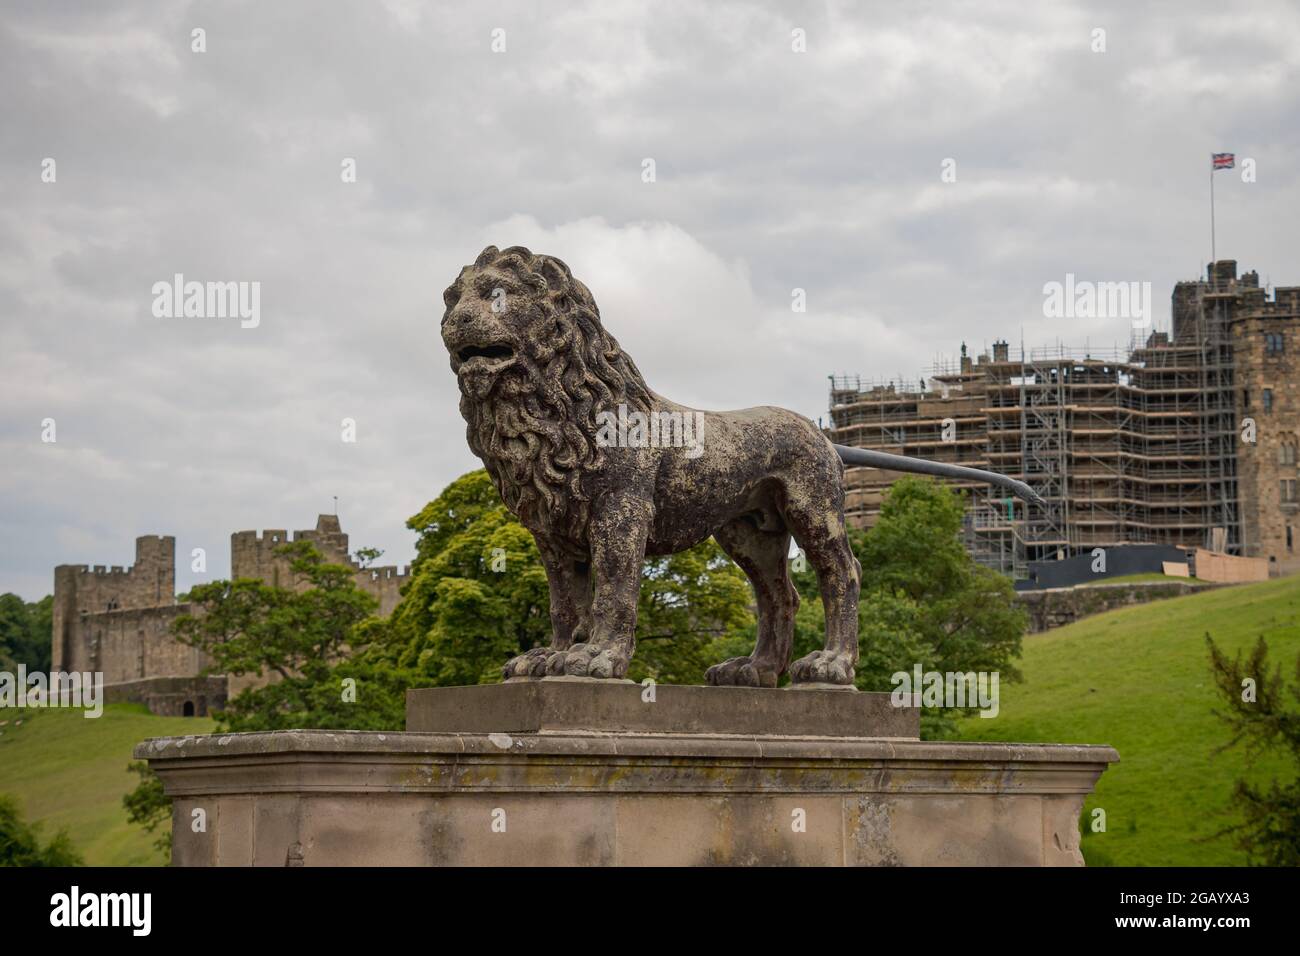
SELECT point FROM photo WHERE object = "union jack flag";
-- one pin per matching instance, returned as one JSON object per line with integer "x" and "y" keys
{"x": 1223, "y": 160}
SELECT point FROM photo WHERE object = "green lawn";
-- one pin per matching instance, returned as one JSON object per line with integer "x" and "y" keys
{"x": 70, "y": 771}
{"x": 1137, "y": 678}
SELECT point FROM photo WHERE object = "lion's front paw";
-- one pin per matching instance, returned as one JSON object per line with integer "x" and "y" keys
{"x": 822, "y": 667}
{"x": 531, "y": 663}
{"x": 588, "y": 660}
{"x": 741, "y": 672}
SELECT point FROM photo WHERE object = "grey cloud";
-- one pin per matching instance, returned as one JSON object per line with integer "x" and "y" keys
{"x": 775, "y": 170}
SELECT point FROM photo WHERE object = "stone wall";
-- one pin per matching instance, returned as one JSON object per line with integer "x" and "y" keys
{"x": 128, "y": 645}
{"x": 1055, "y": 607}
{"x": 172, "y": 696}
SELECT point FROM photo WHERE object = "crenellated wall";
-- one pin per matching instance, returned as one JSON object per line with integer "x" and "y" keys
{"x": 118, "y": 620}
{"x": 253, "y": 555}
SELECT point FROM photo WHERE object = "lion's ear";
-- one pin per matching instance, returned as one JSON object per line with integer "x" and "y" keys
{"x": 486, "y": 256}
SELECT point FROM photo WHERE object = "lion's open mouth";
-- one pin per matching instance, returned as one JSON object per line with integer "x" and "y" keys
{"x": 489, "y": 352}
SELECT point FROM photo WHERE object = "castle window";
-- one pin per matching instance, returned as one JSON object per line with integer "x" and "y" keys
{"x": 1288, "y": 539}
{"x": 1273, "y": 343}
{"x": 1288, "y": 490}
{"x": 1286, "y": 454}
{"x": 1268, "y": 399}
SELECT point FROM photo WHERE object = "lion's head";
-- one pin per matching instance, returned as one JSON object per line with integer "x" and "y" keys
{"x": 535, "y": 367}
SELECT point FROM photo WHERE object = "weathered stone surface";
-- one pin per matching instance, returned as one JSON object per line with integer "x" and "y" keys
{"x": 570, "y": 705}
{"x": 585, "y": 798}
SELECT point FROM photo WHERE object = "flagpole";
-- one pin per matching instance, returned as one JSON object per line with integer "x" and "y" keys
{"x": 1212, "y": 249}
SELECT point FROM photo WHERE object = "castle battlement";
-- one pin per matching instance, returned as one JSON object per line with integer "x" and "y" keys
{"x": 119, "y": 619}
{"x": 269, "y": 536}
{"x": 97, "y": 569}
{"x": 387, "y": 572}
{"x": 253, "y": 554}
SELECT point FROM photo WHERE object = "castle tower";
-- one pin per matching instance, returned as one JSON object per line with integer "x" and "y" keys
{"x": 1264, "y": 334}
{"x": 80, "y": 590}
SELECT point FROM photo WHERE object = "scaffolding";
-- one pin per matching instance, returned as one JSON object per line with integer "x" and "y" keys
{"x": 1125, "y": 446}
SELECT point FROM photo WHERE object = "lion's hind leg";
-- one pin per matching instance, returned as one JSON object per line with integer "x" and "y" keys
{"x": 763, "y": 556}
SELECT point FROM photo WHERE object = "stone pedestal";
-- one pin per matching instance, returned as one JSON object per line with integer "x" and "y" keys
{"x": 593, "y": 773}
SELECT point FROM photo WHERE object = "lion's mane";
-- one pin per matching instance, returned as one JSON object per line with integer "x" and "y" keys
{"x": 536, "y": 430}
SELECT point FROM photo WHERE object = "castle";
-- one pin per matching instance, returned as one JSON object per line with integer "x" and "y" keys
{"x": 118, "y": 621}
{"x": 1188, "y": 438}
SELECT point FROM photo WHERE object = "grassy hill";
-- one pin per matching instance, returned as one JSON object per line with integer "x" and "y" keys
{"x": 1138, "y": 679}
{"x": 70, "y": 771}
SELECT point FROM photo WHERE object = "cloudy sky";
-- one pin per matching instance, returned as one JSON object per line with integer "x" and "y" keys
{"x": 774, "y": 170}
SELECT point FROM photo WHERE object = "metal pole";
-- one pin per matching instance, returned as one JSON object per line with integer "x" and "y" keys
{"x": 1212, "y": 248}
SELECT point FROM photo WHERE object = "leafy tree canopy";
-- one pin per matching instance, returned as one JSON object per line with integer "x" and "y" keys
{"x": 306, "y": 639}
{"x": 26, "y": 632}
{"x": 924, "y": 599}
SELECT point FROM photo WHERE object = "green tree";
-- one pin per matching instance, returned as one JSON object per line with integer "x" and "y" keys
{"x": 1260, "y": 711}
{"x": 25, "y": 632}
{"x": 307, "y": 640}
{"x": 148, "y": 806}
{"x": 478, "y": 596}
{"x": 921, "y": 581}
{"x": 694, "y": 610}
{"x": 924, "y": 599}
{"x": 20, "y": 842}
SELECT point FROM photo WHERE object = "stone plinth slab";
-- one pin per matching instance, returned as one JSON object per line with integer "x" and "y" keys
{"x": 592, "y": 797}
{"x": 568, "y": 704}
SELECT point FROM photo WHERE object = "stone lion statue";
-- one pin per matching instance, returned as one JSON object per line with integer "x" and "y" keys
{"x": 604, "y": 472}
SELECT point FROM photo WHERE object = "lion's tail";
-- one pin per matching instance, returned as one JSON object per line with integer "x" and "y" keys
{"x": 880, "y": 459}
